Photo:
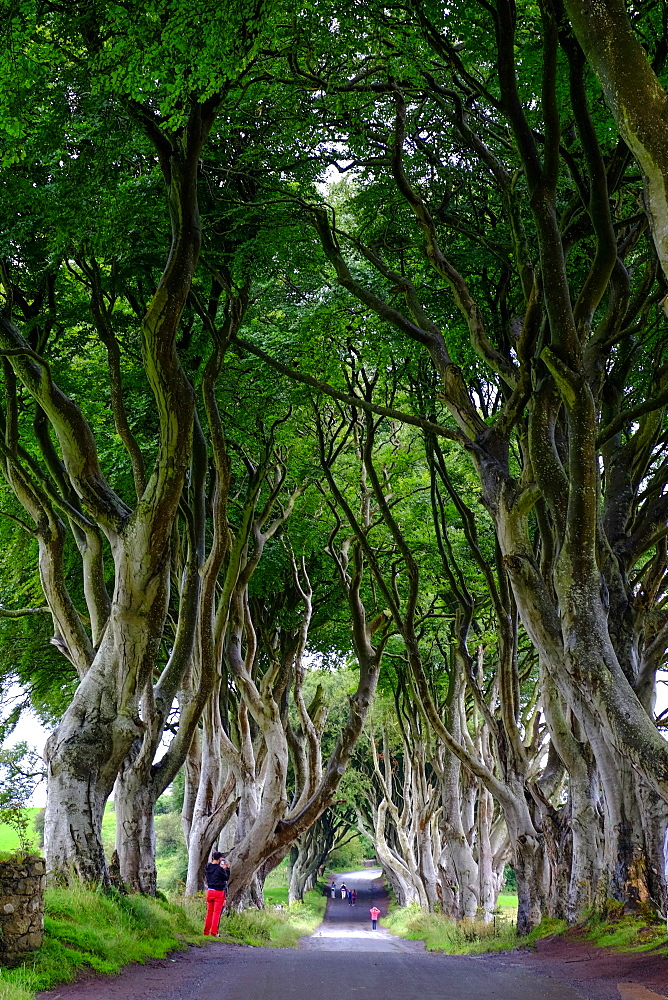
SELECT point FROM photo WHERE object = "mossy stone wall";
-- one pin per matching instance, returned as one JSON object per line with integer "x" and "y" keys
{"x": 22, "y": 883}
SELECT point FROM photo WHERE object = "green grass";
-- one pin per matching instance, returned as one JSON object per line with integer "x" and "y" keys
{"x": 624, "y": 933}
{"x": 276, "y": 885}
{"x": 275, "y": 928}
{"x": 9, "y": 838}
{"x": 506, "y": 905}
{"x": 93, "y": 931}
{"x": 627, "y": 933}
{"x": 465, "y": 937}
{"x": 109, "y": 828}
{"x": 277, "y": 896}
{"x": 269, "y": 928}
{"x": 89, "y": 931}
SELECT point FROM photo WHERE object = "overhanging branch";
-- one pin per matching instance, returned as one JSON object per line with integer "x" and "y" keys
{"x": 357, "y": 401}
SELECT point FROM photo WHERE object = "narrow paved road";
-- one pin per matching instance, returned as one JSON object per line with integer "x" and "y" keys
{"x": 229, "y": 972}
{"x": 348, "y": 928}
{"x": 344, "y": 958}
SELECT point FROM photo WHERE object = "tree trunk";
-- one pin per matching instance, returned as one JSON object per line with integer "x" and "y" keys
{"x": 464, "y": 881}
{"x": 529, "y": 865}
{"x": 488, "y": 882}
{"x": 134, "y": 801}
{"x": 86, "y": 751}
{"x": 628, "y": 856}
{"x": 214, "y": 801}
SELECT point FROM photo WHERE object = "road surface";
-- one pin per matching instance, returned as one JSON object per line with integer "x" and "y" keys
{"x": 343, "y": 959}
{"x": 348, "y": 928}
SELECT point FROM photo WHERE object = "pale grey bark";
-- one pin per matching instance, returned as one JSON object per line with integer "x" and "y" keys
{"x": 134, "y": 806}
{"x": 583, "y": 814}
{"x": 486, "y": 874}
{"x": 461, "y": 885}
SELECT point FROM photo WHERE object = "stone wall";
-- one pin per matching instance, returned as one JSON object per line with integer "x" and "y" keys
{"x": 22, "y": 882}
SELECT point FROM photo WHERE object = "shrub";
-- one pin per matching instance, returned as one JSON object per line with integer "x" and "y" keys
{"x": 168, "y": 833}
{"x": 351, "y": 855}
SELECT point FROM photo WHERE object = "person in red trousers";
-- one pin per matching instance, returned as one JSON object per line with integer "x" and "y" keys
{"x": 217, "y": 877}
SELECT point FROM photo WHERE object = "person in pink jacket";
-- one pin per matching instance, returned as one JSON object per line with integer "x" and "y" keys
{"x": 375, "y": 913}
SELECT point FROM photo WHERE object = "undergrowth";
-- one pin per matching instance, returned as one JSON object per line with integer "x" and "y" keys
{"x": 610, "y": 929}
{"x": 275, "y": 928}
{"x": 462, "y": 937}
{"x": 624, "y": 932}
{"x": 92, "y": 931}
{"x": 86, "y": 931}
{"x": 272, "y": 928}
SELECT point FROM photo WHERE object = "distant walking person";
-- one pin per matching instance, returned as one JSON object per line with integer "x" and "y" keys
{"x": 350, "y": 897}
{"x": 375, "y": 913}
{"x": 333, "y": 890}
{"x": 343, "y": 890}
{"x": 217, "y": 877}
{"x": 354, "y": 895}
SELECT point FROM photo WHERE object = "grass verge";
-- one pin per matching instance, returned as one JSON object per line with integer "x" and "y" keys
{"x": 269, "y": 928}
{"x": 93, "y": 931}
{"x": 275, "y": 928}
{"x": 88, "y": 931}
{"x": 624, "y": 933}
{"x": 613, "y": 929}
{"x": 464, "y": 937}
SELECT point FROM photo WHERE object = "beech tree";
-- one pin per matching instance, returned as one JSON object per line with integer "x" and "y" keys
{"x": 116, "y": 650}
{"x": 490, "y": 276}
{"x": 559, "y": 399}
{"x": 629, "y": 75}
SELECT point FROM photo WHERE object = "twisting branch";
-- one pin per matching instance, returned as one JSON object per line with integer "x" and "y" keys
{"x": 21, "y": 612}
{"x": 355, "y": 401}
{"x": 465, "y": 303}
{"x": 108, "y": 338}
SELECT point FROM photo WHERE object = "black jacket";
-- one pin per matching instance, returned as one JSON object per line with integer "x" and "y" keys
{"x": 217, "y": 877}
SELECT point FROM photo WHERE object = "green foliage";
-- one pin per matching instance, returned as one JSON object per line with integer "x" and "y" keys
{"x": 38, "y": 823}
{"x": 509, "y": 879}
{"x": 172, "y": 799}
{"x": 172, "y": 870}
{"x": 15, "y": 818}
{"x": 20, "y": 770}
{"x": 168, "y": 833}
{"x": 9, "y": 839}
{"x": 171, "y": 854}
{"x": 350, "y": 855}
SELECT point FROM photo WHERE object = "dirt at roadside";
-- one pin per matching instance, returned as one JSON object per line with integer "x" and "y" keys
{"x": 595, "y": 972}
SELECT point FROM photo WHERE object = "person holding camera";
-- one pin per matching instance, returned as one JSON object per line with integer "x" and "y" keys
{"x": 217, "y": 877}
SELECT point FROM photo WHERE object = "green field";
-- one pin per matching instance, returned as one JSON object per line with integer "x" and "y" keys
{"x": 507, "y": 905}
{"x": 109, "y": 828}
{"x": 9, "y": 838}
